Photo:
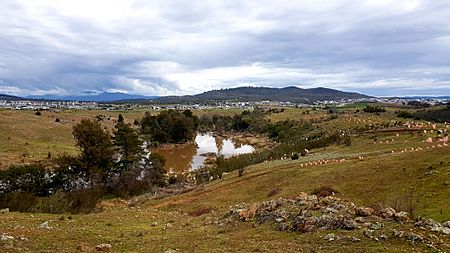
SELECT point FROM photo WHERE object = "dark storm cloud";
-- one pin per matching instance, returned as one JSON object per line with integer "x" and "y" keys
{"x": 381, "y": 47}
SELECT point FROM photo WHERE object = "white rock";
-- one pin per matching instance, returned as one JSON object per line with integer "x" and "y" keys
{"x": 330, "y": 237}
{"x": 104, "y": 247}
{"x": 6, "y": 237}
{"x": 45, "y": 225}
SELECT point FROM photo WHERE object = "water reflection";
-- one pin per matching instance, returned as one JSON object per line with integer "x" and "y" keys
{"x": 192, "y": 156}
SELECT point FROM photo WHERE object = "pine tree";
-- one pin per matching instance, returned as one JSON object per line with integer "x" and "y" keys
{"x": 96, "y": 147}
{"x": 127, "y": 143}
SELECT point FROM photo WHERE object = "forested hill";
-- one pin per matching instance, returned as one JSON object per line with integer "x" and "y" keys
{"x": 287, "y": 94}
{"x": 8, "y": 97}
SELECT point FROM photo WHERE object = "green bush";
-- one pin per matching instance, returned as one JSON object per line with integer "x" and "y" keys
{"x": 169, "y": 126}
{"x": 34, "y": 179}
{"x": 404, "y": 114}
{"x": 374, "y": 109}
{"x": 18, "y": 201}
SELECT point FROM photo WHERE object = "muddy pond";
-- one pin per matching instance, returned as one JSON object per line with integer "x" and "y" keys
{"x": 192, "y": 156}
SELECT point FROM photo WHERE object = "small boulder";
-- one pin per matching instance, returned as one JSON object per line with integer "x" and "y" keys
{"x": 426, "y": 223}
{"x": 402, "y": 216}
{"x": 327, "y": 200}
{"x": 4, "y": 237}
{"x": 376, "y": 226}
{"x": 368, "y": 233}
{"x": 355, "y": 239}
{"x": 388, "y": 213}
{"x": 360, "y": 219}
{"x": 445, "y": 230}
{"x": 397, "y": 233}
{"x": 104, "y": 247}
{"x": 302, "y": 195}
{"x": 248, "y": 213}
{"x": 84, "y": 248}
{"x": 280, "y": 219}
{"x": 330, "y": 237}
{"x": 364, "y": 211}
{"x": 330, "y": 210}
{"x": 413, "y": 237}
{"x": 45, "y": 225}
{"x": 349, "y": 224}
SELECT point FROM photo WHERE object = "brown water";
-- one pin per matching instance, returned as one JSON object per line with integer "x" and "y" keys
{"x": 192, "y": 156}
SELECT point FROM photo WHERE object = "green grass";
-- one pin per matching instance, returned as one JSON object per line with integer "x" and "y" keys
{"x": 26, "y": 137}
{"x": 382, "y": 178}
{"x": 378, "y": 180}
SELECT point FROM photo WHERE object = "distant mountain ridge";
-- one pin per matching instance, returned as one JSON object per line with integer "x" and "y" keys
{"x": 241, "y": 94}
{"x": 101, "y": 97}
{"x": 9, "y": 97}
{"x": 287, "y": 94}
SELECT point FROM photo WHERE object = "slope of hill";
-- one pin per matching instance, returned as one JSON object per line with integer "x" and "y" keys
{"x": 101, "y": 97}
{"x": 9, "y": 97}
{"x": 287, "y": 94}
{"x": 194, "y": 221}
{"x": 397, "y": 170}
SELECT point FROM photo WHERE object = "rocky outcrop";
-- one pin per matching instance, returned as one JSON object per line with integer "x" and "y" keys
{"x": 307, "y": 213}
{"x": 434, "y": 226}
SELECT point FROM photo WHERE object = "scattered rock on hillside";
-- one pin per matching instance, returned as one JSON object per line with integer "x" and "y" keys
{"x": 387, "y": 213}
{"x": 104, "y": 247}
{"x": 45, "y": 225}
{"x": 433, "y": 225}
{"x": 330, "y": 237}
{"x": 4, "y": 237}
{"x": 364, "y": 211}
{"x": 84, "y": 248}
{"x": 402, "y": 217}
{"x": 413, "y": 237}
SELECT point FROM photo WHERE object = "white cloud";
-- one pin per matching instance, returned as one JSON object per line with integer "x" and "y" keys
{"x": 177, "y": 47}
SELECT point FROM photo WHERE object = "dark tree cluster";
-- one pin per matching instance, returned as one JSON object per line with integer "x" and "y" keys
{"x": 106, "y": 165}
{"x": 418, "y": 104}
{"x": 288, "y": 131}
{"x": 169, "y": 126}
{"x": 247, "y": 121}
{"x": 405, "y": 114}
{"x": 374, "y": 109}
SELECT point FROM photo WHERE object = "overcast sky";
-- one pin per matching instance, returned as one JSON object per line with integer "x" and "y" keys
{"x": 378, "y": 47}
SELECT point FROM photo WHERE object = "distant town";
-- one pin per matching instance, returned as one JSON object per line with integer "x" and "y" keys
{"x": 27, "y": 104}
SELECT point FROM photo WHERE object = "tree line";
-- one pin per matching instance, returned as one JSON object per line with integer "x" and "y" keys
{"x": 106, "y": 165}
{"x": 115, "y": 164}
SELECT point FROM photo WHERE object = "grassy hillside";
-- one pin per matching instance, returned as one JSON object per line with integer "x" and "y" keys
{"x": 380, "y": 169}
{"x": 27, "y": 137}
{"x": 157, "y": 225}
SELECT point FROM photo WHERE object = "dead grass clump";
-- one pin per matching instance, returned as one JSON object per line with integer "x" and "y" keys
{"x": 324, "y": 191}
{"x": 200, "y": 211}
{"x": 273, "y": 192}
